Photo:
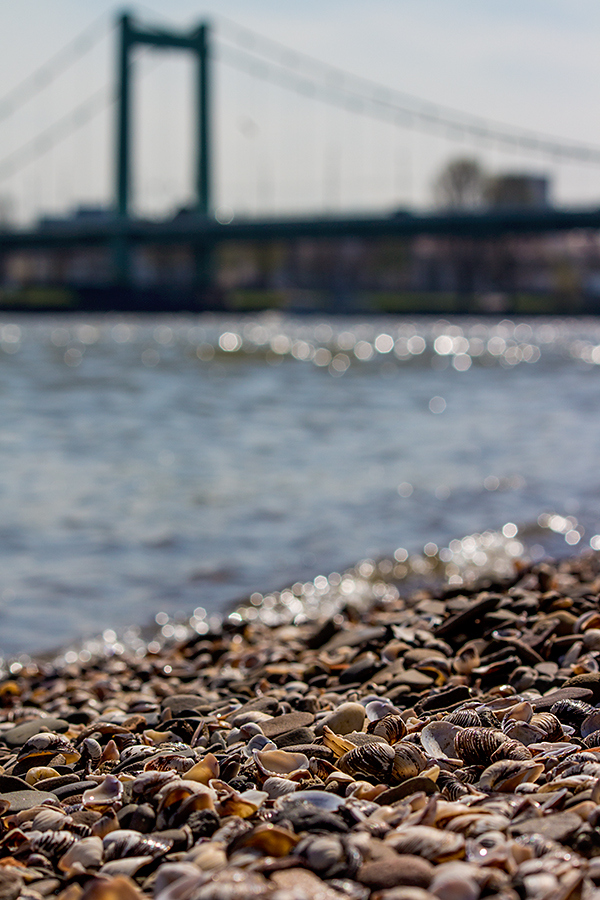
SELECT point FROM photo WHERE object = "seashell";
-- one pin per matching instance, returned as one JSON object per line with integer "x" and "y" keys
{"x": 107, "y": 793}
{"x": 378, "y": 709}
{"x": 506, "y": 774}
{"x": 46, "y": 745}
{"x": 276, "y": 787}
{"x": 549, "y": 725}
{"x": 268, "y": 839}
{"x": 162, "y": 762}
{"x": 320, "y": 799}
{"x": 48, "y": 819}
{"x": 328, "y": 856}
{"x": 91, "y": 752}
{"x": 476, "y": 745}
{"x": 38, "y": 773}
{"x": 572, "y": 712}
{"x": 409, "y": 761}
{"x": 464, "y": 718}
{"x": 466, "y": 659}
{"x": 321, "y": 768}
{"x": 336, "y": 742}
{"x": 437, "y": 739}
{"x": 125, "y": 842}
{"x": 430, "y": 843}
{"x": 106, "y": 824}
{"x": 369, "y": 762}
{"x": 85, "y": 854}
{"x": 259, "y": 742}
{"x": 519, "y": 712}
{"x": 590, "y": 724}
{"x": 523, "y": 732}
{"x": 205, "y": 770}
{"x": 280, "y": 762}
{"x": 178, "y": 792}
{"x": 593, "y": 739}
{"x": 391, "y": 727}
{"x": 51, "y": 843}
{"x": 147, "y": 784}
{"x": 511, "y": 749}
{"x": 488, "y": 717}
{"x": 129, "y": 866}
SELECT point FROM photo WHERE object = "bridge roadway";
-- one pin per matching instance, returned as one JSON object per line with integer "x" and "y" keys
{"x": 203, "y": 231}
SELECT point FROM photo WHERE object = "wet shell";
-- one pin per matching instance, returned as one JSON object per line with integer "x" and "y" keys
{"x": 125, "y": 842}
{"x": 85, "y": 854}
{"x": 476, "y": 745}
{"x": 279, "y": 762}
{"x": 507, "y": 774}
{"x": 590, "y": 724}
{"x": 437, "y": 739}
{"x": 430, "y": 843}
{"x": 593, "y": 739}
{"x": 465, "y": 718}
{"x": 46, "y": 745}
{"x": 392, "y": 728}
{"x": 549, "y": 725}
{"x": 511, "y": 749}
{"x": 51, "y": 843}
{"x": 409, "y": 761}
{"x": 488, "y": 717}
{"x": 107, "y": 793}
{"x": 572, "y": 712}
{"x": 371, "y": 762}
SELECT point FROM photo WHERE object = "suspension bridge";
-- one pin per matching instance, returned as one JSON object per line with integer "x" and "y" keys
{"x": 98, "y": 247}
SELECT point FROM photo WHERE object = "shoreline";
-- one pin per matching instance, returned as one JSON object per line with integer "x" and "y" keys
{"x": 401, "y": 749}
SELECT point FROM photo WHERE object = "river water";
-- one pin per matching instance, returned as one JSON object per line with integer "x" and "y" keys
{"x": 164, "y": 465}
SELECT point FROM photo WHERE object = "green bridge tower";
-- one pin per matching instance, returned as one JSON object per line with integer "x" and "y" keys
{"x": 197, "y": 42}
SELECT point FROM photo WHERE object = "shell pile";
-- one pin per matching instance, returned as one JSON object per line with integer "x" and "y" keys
{"x": 429, "y": 747}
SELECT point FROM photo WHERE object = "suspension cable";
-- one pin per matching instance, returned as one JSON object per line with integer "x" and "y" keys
{"x": 55, "y": 66}
{"x": 302, "y": 74}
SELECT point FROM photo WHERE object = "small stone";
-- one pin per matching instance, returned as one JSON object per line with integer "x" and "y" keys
{"x": 303, "y": 883}
{"x": 558, "y": 826}
{"x": 177, "y": 703}
{"x": 347, "y": 717}
{"x": 295, "y": 736}
{"x": 279, "y": 725}
{"x": 393, "y": 869}
{"x": 20, "y": 800}
{"x": 17, "y": 736}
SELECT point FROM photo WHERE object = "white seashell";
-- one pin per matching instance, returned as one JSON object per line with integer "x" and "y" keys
{"x": 85, "y": 854}
{"x": 590, "y": 724}
{"x": 106, "y": 793}
{"x": 377, "y": 709}
{"x": 320, "y": 799}
{"x": 437, "y": 739}
{"x": 280, "y": 762}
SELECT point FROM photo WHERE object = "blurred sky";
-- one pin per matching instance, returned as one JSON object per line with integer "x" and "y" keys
{"x": 534, "y": 65}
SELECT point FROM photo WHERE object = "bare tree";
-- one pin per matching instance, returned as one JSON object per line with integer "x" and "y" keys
{"x": 460, "y": 185}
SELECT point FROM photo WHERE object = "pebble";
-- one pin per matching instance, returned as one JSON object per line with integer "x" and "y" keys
{"x": 346, "y": 718}
{"x": 394, "y": 869}
{"x": 459, "y": 784}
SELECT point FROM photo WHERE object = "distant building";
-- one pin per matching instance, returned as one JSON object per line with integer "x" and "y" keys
{"x": 518, "y": 191}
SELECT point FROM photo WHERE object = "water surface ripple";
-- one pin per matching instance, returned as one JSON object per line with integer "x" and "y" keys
{"x": 162, "y": 465}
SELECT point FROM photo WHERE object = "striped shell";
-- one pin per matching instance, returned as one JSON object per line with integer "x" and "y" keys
{"x": 371, "y": 762}
{"x": 464, "y": 718}
{"x": 549, "y": 724}
{"x": 46, "y": 744}
{"x": 430, "y": 843}
{"x": 572, "y": 712}
{"x": 408, "y": 762}
{"x": 476, "y": 745}
{"x": 511, "y": 749}
{"x": 392, "y": 728}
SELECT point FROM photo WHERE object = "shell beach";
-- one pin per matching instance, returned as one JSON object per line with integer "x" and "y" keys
{"x": 442, "y": 744}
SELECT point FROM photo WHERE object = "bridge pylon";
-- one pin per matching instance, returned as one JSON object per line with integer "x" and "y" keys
{"x": 196, "y": 41}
